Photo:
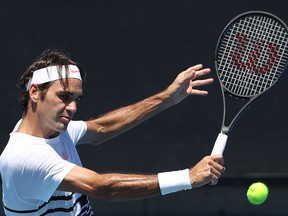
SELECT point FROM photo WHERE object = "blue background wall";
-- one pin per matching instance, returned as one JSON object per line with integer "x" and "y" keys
{"x": 132, "y": 49}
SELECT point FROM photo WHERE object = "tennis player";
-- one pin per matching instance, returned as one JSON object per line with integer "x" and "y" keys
{"x": 40, "y": 168}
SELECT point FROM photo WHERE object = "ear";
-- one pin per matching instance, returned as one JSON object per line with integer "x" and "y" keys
{"x": 34, "y": 93}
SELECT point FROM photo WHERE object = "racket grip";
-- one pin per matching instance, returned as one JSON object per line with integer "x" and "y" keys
{"x": 220, "y": 144}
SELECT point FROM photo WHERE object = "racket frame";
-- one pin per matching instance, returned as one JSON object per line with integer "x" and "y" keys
{"x": 221, "y": 140}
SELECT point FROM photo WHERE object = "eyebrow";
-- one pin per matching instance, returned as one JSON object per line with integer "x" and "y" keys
{"x": 69, "y": 93}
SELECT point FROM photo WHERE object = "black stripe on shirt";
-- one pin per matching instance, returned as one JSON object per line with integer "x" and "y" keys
{"x": 82, "y": 200}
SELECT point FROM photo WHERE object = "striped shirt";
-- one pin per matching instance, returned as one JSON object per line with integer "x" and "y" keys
{"x": 32, "y": 169}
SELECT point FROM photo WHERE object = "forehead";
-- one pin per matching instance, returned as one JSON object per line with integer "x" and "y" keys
{"x": 73, "y": 85}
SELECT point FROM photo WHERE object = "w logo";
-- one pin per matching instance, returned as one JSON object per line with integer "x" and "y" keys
{"x": 253, "y": 58}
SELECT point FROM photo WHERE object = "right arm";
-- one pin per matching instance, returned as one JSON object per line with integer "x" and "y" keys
{"x": 117, "y": 186}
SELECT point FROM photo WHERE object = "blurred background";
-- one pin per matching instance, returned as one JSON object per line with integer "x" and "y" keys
{"x": 132, "y": 49}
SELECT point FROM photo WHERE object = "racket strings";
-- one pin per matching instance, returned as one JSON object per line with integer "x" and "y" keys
{"x": 252, "y": 55}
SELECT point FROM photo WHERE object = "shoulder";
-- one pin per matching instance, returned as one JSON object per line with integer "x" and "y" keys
{"x": 78, "y": 124}
{"x": 76, "y": 130}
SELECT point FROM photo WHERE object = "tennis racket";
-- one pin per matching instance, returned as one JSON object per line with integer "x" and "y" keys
{"x": 251, "y": 55}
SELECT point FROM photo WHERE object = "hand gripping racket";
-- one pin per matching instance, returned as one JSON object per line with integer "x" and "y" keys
{"x": 251, "y": 56}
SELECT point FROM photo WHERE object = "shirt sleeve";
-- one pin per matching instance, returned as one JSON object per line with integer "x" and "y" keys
{"x": 76, "y": 130}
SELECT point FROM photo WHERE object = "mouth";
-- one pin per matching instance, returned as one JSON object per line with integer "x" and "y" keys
{"x": 65, "y": 119}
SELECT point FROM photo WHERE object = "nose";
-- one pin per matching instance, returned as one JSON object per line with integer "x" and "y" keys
{"x": 72, "y": 107}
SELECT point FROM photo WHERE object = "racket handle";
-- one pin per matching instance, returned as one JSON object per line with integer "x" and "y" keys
{"x": 220, "y": 144}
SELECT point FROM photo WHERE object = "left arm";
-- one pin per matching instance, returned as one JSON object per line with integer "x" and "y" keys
{"x": 120, "y": 120}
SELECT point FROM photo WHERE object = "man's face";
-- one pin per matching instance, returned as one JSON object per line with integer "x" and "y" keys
{"x": 58, "y": 106}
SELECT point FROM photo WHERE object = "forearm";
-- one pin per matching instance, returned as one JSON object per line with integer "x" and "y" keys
{"x": 120, "y": 187}
{"x": 110, "y": 186}
{"x": 127, "y": 186}
{"x": 123, "y": 119}
{"x": 118, "y": 121}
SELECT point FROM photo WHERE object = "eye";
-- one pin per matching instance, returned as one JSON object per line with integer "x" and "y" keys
{"x": 68, "y": 98}
{"x": 64, "y": 97}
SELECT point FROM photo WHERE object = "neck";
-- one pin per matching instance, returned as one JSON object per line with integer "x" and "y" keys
{"x": 31, "y": 126}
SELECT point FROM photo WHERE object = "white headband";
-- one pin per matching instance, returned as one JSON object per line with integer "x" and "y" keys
{"x": 50, "y": 73}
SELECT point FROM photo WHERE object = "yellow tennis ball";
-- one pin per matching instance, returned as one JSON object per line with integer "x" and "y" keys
{"x": 257, "y": 193}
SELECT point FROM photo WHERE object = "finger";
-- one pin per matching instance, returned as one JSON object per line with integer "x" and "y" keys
{"x": 197, "y": 67}
{"x": 219, "y": 168}
{"x": 189, "y": 73}
{"x": 216, "y": 172}
{"x": 197, "y": 92}
{"x": 215, "y": 175}
{"x": 213, "y": 182}
{"x": 203, "y": 82}
{"x": 218, "y": 159}
{"x": 202, "y": 72}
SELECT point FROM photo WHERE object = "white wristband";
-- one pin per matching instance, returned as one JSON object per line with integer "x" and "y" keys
{"x": 174, "y": 181}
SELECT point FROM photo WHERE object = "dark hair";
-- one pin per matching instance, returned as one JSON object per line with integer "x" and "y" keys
{"x": 49, "y": 57}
